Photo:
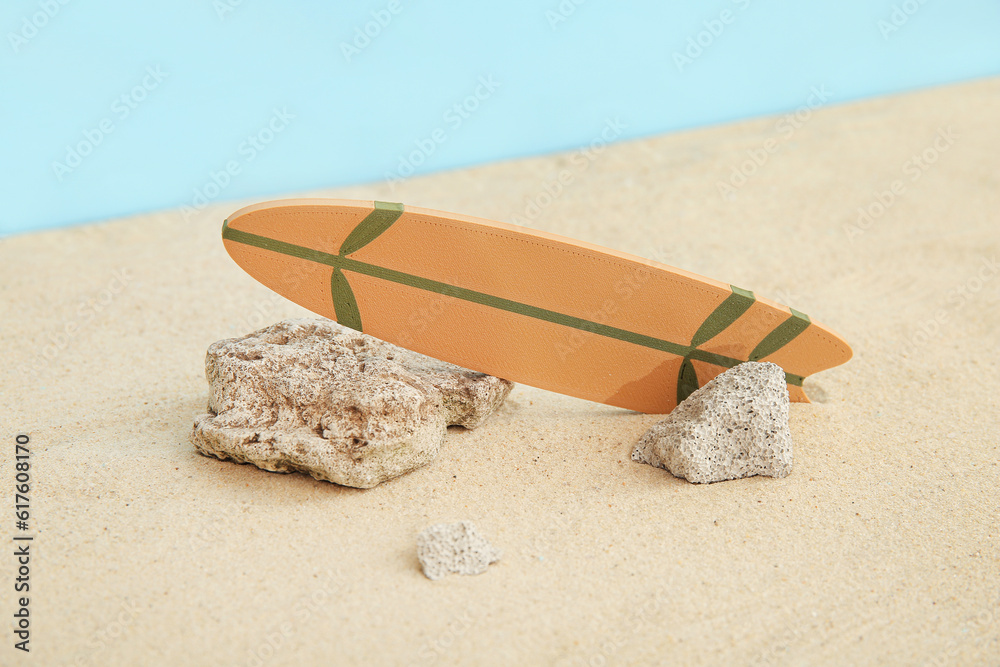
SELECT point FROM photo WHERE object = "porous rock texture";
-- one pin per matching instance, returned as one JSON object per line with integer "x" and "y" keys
{"x": 311, "y": 396}
{"x": 454, "y": 548}
{"x": 735, "y": 426}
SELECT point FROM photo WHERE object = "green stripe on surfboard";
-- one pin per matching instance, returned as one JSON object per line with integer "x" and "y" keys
{"x": 781, "y": 336}
{"x": 369, "y": 229}
{"x": 727, "y": 312}
{"x": 343, "y": 301}
{"x": 372, "y": 226}
{"x": 687, "y": 380}
{"x": 342, "y": 263}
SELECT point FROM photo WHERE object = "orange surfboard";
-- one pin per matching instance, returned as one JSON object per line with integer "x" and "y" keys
{"x": 524, "y": 305}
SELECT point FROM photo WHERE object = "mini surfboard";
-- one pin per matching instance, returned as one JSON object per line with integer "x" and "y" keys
{"x": 524, "y": 305}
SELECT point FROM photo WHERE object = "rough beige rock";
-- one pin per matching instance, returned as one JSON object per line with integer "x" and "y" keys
{"x": 735, "y": 426}
{"x": 311, "y": 396}
{"x": 454, "y": 548}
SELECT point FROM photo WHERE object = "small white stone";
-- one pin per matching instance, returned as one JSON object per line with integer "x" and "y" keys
{"x": 735, "y": 426}
{"x": 454, "y": 548}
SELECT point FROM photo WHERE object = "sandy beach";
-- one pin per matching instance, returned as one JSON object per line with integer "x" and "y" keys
{"x": 879, "y": 218}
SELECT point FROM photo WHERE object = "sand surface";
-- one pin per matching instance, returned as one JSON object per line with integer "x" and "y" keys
{"x": 882, "y": 546}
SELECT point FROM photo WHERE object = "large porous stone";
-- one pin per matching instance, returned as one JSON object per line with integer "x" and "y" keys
{"x": 735, "y": 426}
{"x": 454, "y": 548}
{"x": 311, "y": 396}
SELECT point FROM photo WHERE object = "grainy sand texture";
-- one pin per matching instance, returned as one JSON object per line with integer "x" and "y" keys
{"x": 881, "y": 547}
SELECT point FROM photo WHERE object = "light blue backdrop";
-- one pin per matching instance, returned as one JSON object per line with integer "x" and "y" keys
{"x": 112, "y": 108}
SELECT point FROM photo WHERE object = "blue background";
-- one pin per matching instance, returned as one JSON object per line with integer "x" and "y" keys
{"x": 563, "y": 69}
